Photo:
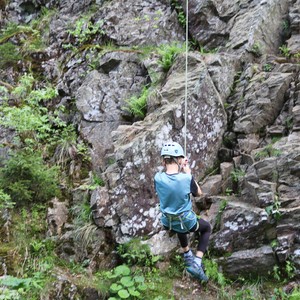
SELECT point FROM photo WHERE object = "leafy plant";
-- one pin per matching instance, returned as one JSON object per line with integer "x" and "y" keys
{"x": 85, "y": 30}
{"x": 136, "y": 253}
{"x": 25, "y": 178}
{"x": 9, "y": 54}
{"x": 256, "y": 49}
{"x": 29, "y": 117}
{"x": 290, "y": 269}
{"x": 269, "y": 150}
{"x": 125, "y": 285}
{"x": 285, "y": 25}
{"x": 277, "y": 273}
{"x": 176, "y": 266}
{"x": 27, "y": 37}
{"x": 285, "y": 50}
{"x": 180, "y": 12}
{"x": 137, "y": 106}
{"x": 212, "y": 271}
{"x": 237, "y": 174}
{"x": 5, "y": 200}
{"x": 267, "y": 67}
{"x": 274, "y": 209}
{"x": 295, "y": 294}
{"x": 168, "y": 54}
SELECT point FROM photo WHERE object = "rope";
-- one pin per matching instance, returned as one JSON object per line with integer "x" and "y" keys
{"x": 186, "y": 73}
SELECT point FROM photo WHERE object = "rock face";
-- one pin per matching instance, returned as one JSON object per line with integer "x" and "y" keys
{"x": 238, "y": 109}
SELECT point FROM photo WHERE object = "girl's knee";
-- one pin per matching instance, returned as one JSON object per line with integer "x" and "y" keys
{"x": 204, "y": 226}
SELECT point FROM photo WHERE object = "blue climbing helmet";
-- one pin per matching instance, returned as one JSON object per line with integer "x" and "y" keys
{"x": 171, "y": 149}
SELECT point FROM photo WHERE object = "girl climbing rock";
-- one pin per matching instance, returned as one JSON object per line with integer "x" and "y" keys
{"x": 173, "y": 187}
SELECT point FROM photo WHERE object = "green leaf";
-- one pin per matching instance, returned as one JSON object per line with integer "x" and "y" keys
{"x": 122, "y": 270}
{"x": 123, "y": 294}
{"x": 15, "y": 282}
{"x": 115, "y": 287}
{"x": 127, "y": 281}
{"x": 139, "y": 279}
{"x": 142, "y": 287}
{"x": 134, "y": 292}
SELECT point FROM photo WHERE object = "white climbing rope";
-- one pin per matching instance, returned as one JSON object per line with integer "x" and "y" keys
{"x": 186, "y": 73}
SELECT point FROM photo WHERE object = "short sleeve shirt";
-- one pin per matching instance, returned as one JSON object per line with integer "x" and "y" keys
{"x": 174, "y": 191}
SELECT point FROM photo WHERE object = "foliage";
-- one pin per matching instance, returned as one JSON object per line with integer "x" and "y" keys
{"x": 268, "y": 151}
{"x": 274, "y": 209}
{"x": 290, "y": 269}
{"x": 267, "y": 67}
{"x": 124, "y": 284}
{"x": 213, "y": 273}
{"x": 25, "y": 178}
{"x": 27, "y": 39}
{"x": 237, "y": 174}
{"x": 9, "y": 55}
{"x": 94, "y": 182}
{"x": 5, "y": 200}
{"x": 285, "y": 272}
{"x": 137, "y": 106}
{"x": 136, "y": 253}
{"x": 30, "y": 118}
{"x": 180, "y": 12}
{"x": 63, "y": 145}
{"x": 256, "y": 49}
{"x": 168, "y": 54}
{"x": 285, "y": 50}
{"x": 83, "y": 31}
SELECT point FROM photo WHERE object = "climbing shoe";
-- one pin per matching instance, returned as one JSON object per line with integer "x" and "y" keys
{"x": 197, "y": 272}
{"x": 188, "y": 258}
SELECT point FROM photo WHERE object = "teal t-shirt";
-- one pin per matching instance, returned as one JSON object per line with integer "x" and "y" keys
{"x": 174, "y": 196}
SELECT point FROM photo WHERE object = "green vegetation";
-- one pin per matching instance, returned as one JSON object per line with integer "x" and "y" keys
{"x": 28, "y": 39}
{"x": 213, "y": 273}
{"x": 285, "y": 50}
{"x": 237, "y": 174}
{"x": 273, "y": 210}
{"x": 180, "y": 12}
{"x": 9, "y": 55}
{"x": 29, "y": 117}
{"x": 136, "y": 253}
{"x": 267, "y": 67}
{"x": 268, "y": 151}
{"x": 256, "y": 49}
{"x": 25, "y": 178}
{"x": 83, "y": 31}
{"x": 125, "y": 285}
{"x": 5, "y": 200}
{"x": 168, "y": 54}
{"x": 137, "y": 106}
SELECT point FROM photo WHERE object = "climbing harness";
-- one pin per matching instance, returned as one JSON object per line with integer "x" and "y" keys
{"x": 181, "y": 222}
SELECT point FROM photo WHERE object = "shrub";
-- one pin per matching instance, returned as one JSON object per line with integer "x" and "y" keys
{"x": 9, "y": 55}
{"x": 168, "y": 54}
{"x": 25, "y": 178}
{"x": 5, "y": 200}
{"x": 137, "y": 106}
{"x": 136, "y": 253}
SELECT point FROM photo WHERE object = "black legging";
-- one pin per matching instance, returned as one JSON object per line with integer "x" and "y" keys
{"x": 204, "y": 230}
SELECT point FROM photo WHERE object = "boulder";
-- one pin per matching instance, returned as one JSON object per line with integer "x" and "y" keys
{"x": 250, "y": 263}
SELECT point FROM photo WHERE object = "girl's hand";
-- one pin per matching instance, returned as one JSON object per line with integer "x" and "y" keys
{"x": 185, "y": 166}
